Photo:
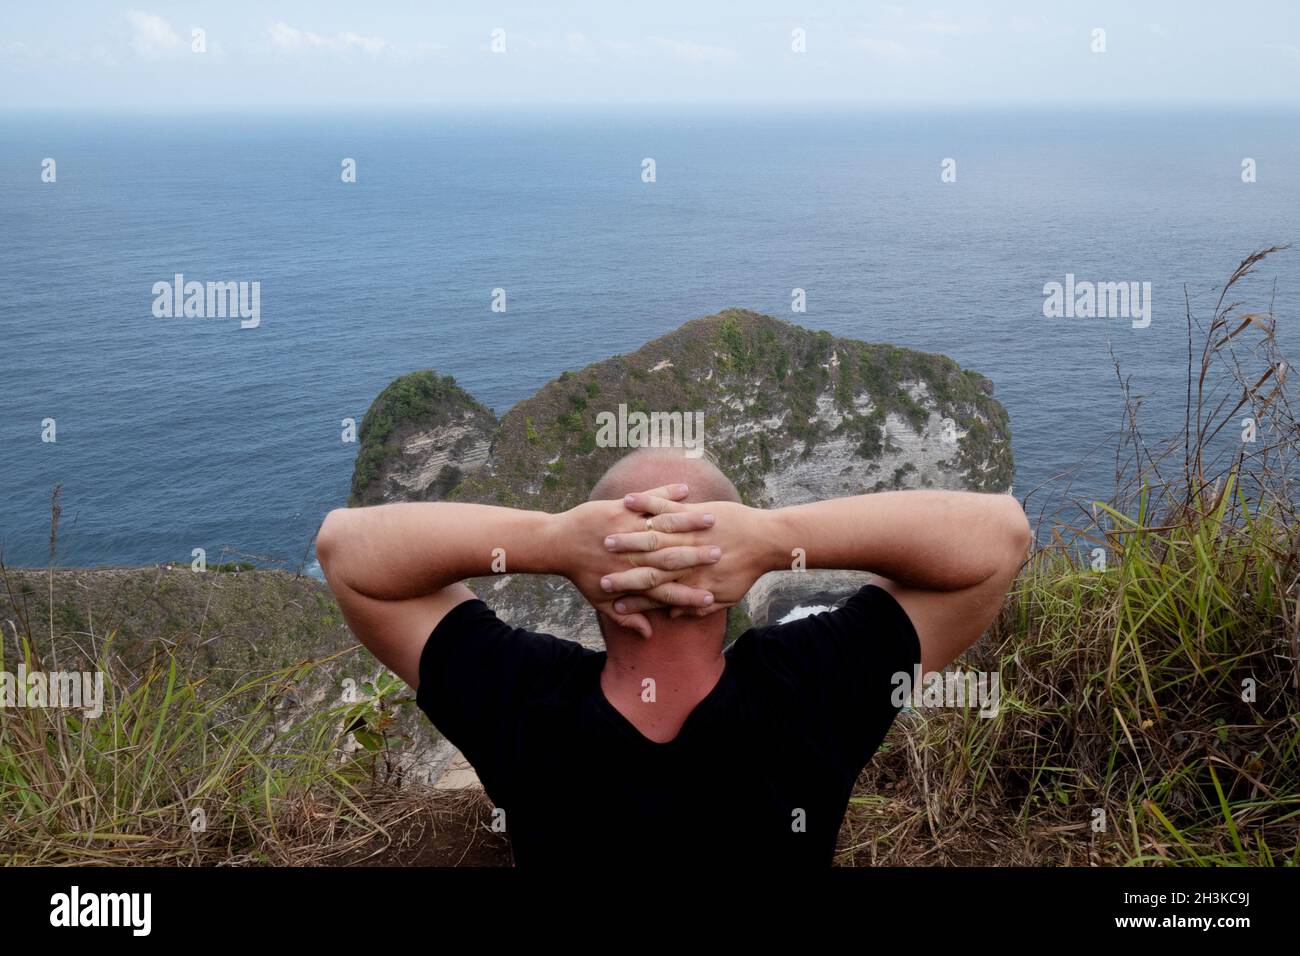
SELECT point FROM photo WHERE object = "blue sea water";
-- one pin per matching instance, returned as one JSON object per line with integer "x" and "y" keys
{"x": 180, "y": 433}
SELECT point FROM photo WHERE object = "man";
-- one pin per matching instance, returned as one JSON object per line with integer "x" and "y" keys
{"x": 663, "y": 749}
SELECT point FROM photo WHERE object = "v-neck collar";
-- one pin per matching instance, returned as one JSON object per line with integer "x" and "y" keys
{"x": 619, "y": 718}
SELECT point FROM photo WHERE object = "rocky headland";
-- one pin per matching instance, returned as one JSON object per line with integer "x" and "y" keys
{"x": 791, "y": 415}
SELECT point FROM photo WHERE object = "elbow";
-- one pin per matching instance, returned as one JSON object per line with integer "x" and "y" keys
{"x": 1019, "y": 537}
{"x": 329, "y": 540}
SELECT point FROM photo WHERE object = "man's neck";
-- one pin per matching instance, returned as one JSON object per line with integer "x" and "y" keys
{"x": 683, "y": 664}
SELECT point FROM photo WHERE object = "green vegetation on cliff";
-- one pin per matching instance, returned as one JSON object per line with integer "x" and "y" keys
{"x": 739, "y": 369}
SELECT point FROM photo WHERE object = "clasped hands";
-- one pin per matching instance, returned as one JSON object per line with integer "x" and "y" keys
{"x": 652, "y": 550}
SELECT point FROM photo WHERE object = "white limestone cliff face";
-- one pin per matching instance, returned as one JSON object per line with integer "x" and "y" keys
{"x": 426, "y": 453}
{"x": 911, "y": 458}
{"x": 430, "y": 460}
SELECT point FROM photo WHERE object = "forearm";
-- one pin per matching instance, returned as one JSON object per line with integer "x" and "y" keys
{"x": 931, "y": 540}
{"x": 398, "y": 551}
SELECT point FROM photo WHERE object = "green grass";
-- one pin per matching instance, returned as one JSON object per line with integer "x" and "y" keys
{"x": 1159, "y": 693}
{"x": 170, "y": 775}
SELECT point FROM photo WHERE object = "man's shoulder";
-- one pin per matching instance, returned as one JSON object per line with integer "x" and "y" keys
{"x": 473, "y": 634}
{"x": 796, "y": 617}
{"x": 869, "y": 608}
{"x": 475, "y": 614}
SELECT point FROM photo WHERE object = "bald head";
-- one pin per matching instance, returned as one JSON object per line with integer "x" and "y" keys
{"x": 647, "y": 468}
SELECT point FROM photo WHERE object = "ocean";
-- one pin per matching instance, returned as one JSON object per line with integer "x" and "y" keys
{"x": 179, "y": 433}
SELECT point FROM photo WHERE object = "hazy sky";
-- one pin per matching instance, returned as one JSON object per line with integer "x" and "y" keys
{"x": 321, "y": 53}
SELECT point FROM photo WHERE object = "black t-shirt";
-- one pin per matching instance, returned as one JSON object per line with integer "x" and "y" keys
{"x": 761, "y": 772}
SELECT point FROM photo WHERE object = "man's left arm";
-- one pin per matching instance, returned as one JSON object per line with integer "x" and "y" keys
{"x": 947, "y": 557}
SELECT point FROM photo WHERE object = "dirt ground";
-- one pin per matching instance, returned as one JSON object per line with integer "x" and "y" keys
{"x": 451, "y": 829}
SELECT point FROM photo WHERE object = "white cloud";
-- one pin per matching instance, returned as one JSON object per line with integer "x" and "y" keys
{"x": 18, "y": 54}
{"x": 102, "y": 55}
{"x": 153, "y": 37}
{"x": 936, "y": 23}
{"x": 594, "y": 48}
{"x": 426, "y": 47}
{"x": 889, "y": 50}
{"x": 696, "y": 52}
{"x": 14, "y": 50}
{"x": 292, "y": 40}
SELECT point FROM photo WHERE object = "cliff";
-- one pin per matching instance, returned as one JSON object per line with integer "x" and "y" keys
{"x": 791, "y": 415}
{"x": 418, "y": 439}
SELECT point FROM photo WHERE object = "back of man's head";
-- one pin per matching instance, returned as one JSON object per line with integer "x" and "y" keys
{"x": 647, "y": 468}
